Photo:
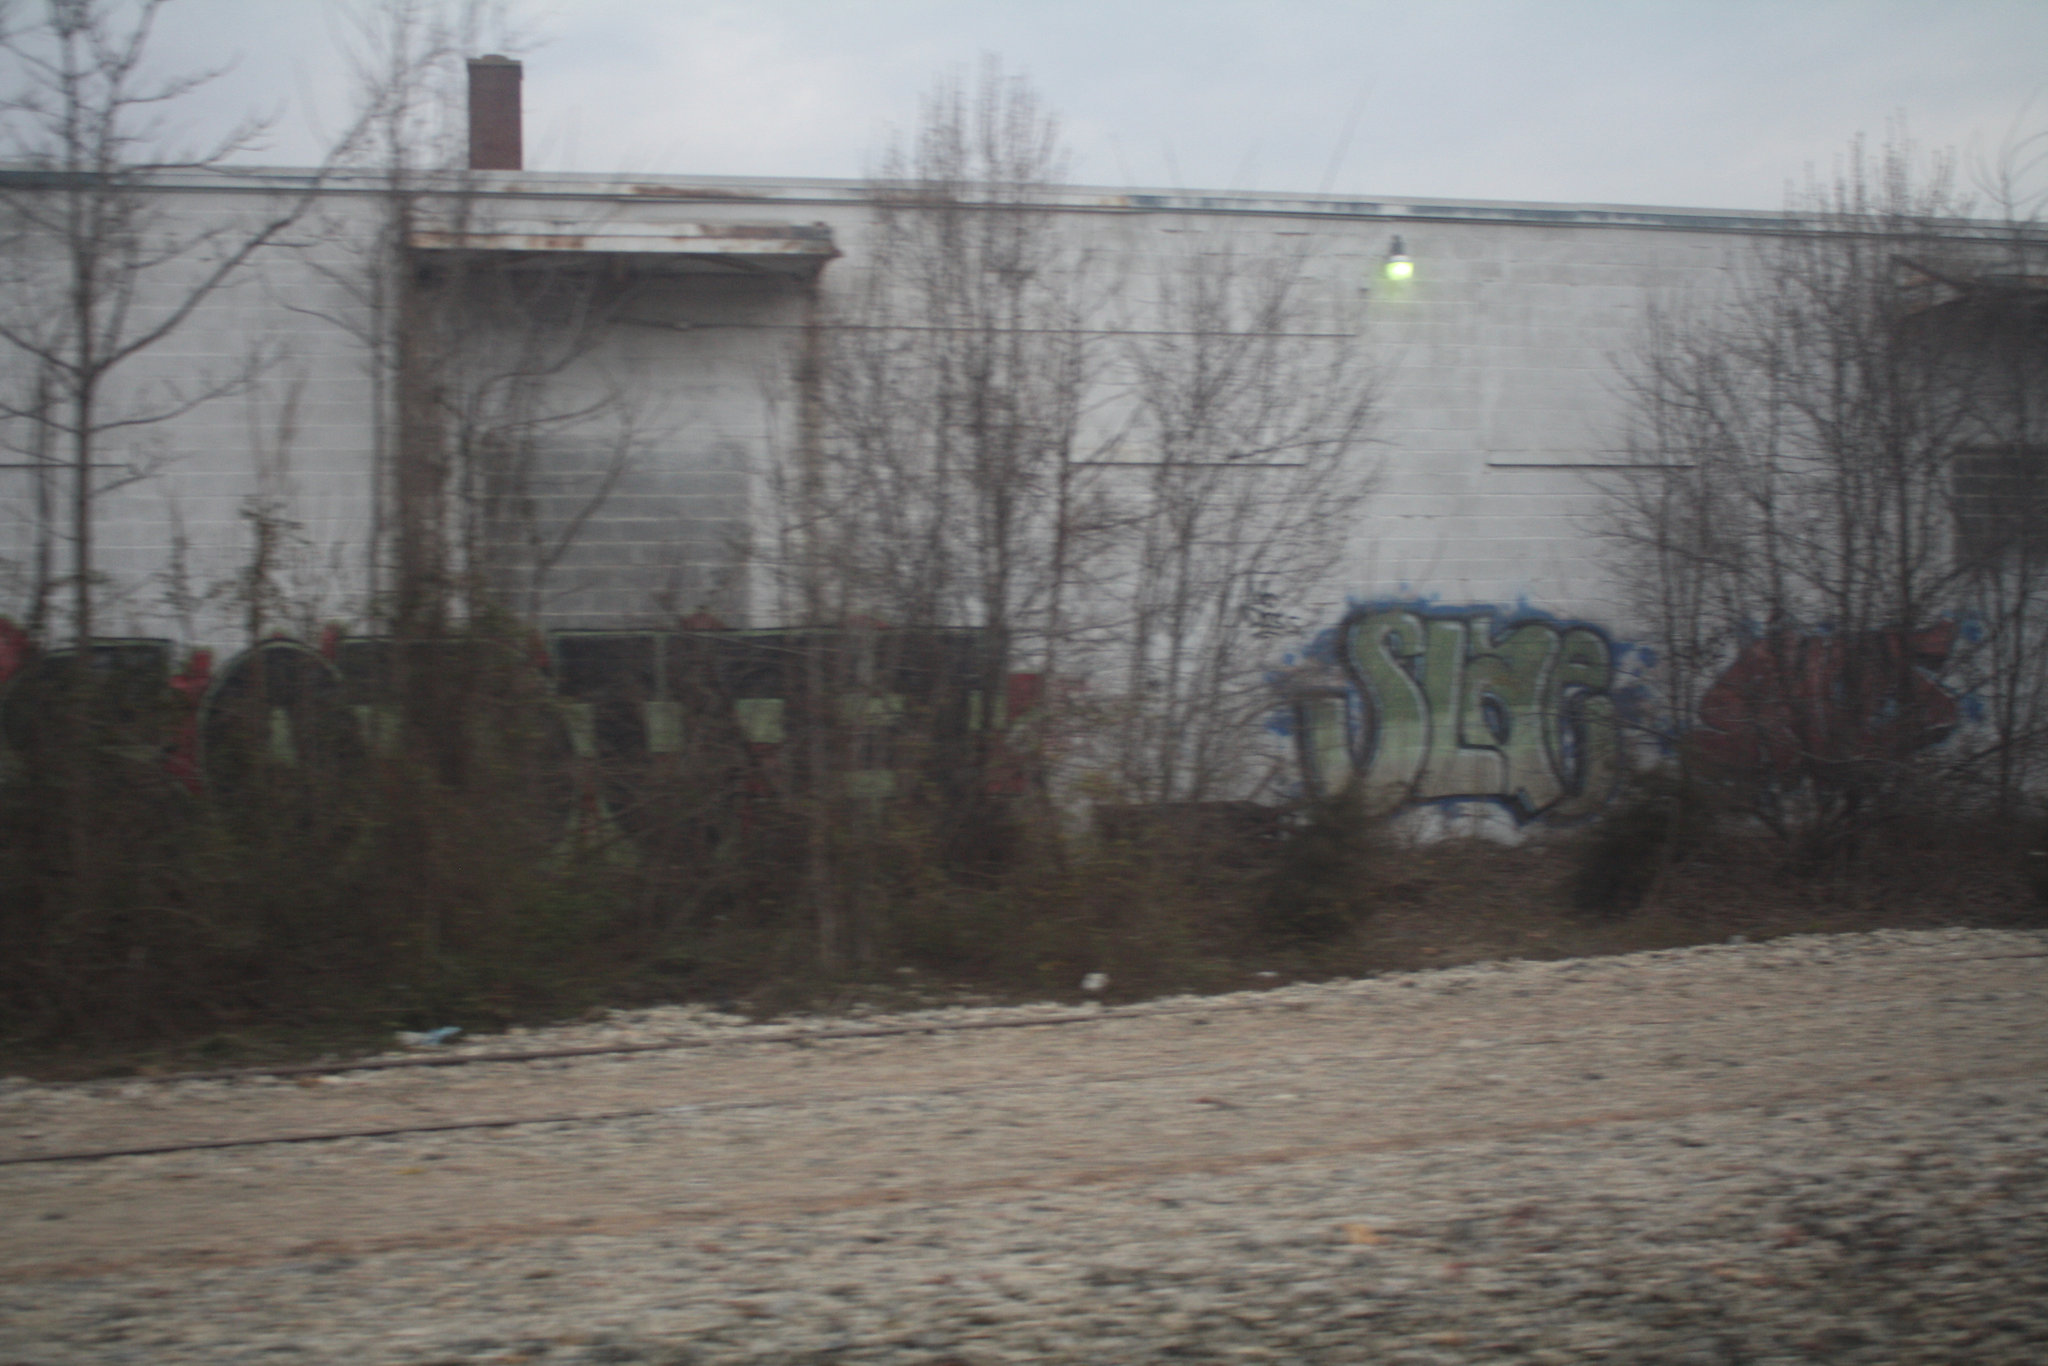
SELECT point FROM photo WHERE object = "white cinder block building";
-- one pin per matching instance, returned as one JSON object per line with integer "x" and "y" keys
{"x": 1499, "y": 363}
{"x": 639, "y": 348}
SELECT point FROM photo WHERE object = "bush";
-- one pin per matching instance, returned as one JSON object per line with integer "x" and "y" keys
{"x": 1326, "y": 872}
{"x": 1661, "y": 821}
{"x": 337, "y": 886}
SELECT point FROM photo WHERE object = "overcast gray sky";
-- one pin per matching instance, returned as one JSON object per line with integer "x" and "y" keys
{"x": 1697, "y": 102}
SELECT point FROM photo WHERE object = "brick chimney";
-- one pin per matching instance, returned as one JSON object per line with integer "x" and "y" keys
{"x": 494, "y": 117}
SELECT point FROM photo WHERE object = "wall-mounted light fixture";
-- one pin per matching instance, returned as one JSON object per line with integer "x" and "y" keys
{"x": 1398, "y": 266}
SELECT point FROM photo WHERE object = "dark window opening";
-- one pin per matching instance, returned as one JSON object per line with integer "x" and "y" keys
{"x": 2001, "y": 504}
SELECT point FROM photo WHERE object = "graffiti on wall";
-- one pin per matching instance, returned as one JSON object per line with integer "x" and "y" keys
{"x": 628, "y": 708}
{"x": 1449, "y": 706}
{"x": 1793, "y": 699}
{"x": 145, "y": 714}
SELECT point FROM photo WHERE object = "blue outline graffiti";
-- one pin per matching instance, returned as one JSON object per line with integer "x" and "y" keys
{"x": 1445, "y": 705}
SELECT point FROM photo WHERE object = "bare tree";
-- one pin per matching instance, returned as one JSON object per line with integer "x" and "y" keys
{"x": 953, "y": 383}
{"x": 101, "y": 268}
{"x": 937, "y": 484}
{"x": 513, "y": 438}
{"x": 1250, "y": 410}
{"x": 1130, "y": 484}
{"x": 1799, "y": 531}
{"x": 1998, "y": 317}
{"x": 479, "y": 372}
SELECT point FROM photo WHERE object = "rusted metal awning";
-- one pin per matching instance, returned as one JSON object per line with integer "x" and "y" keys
{"x": 688, "y": 248}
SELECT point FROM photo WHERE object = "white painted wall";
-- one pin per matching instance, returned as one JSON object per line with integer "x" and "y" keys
{"x": 1501, "y": 393}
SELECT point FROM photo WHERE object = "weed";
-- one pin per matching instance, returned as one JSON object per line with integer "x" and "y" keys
{"x": 1619, "y": 863}
{"x": 1327, "y": 872}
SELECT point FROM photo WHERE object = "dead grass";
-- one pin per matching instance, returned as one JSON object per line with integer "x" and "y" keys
{"x": 1462, "y": 902}
{"x": 1430, "y": 906}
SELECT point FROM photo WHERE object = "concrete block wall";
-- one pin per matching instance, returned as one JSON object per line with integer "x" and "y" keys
{"x": 171, "y": 535}
{"x": 1507, "y": 358}
{"x": 1500, "y": 394}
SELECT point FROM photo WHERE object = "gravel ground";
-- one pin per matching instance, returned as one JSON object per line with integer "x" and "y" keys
{"x": 1812, "y": 1150}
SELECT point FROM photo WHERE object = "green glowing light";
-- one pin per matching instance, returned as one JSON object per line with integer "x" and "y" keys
{"x": 1400, "y": 268}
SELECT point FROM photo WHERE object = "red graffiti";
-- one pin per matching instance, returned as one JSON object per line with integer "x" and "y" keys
{"x": 1791, "y": 700}
{"x": 1011, "y": 774}
{"x": 632, "y": 697}
{"x": 15, "y": 649}
{"x": 181, "y": 760}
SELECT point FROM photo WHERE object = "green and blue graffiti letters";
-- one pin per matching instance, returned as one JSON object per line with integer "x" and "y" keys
{"x": 1453, "y": 710}
{"x": 1380, "y": 651}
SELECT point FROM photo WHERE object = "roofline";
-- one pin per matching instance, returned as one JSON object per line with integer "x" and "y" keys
{"x": 768, "y": 191}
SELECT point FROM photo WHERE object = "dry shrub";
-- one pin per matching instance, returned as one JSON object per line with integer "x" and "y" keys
{"x": 1618, "y": 863}
{"x": 349, "y": 886}
{"x": 1326, "y": 873}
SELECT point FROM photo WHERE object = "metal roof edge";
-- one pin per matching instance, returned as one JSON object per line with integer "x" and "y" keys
{"x": 792, "y": 192}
